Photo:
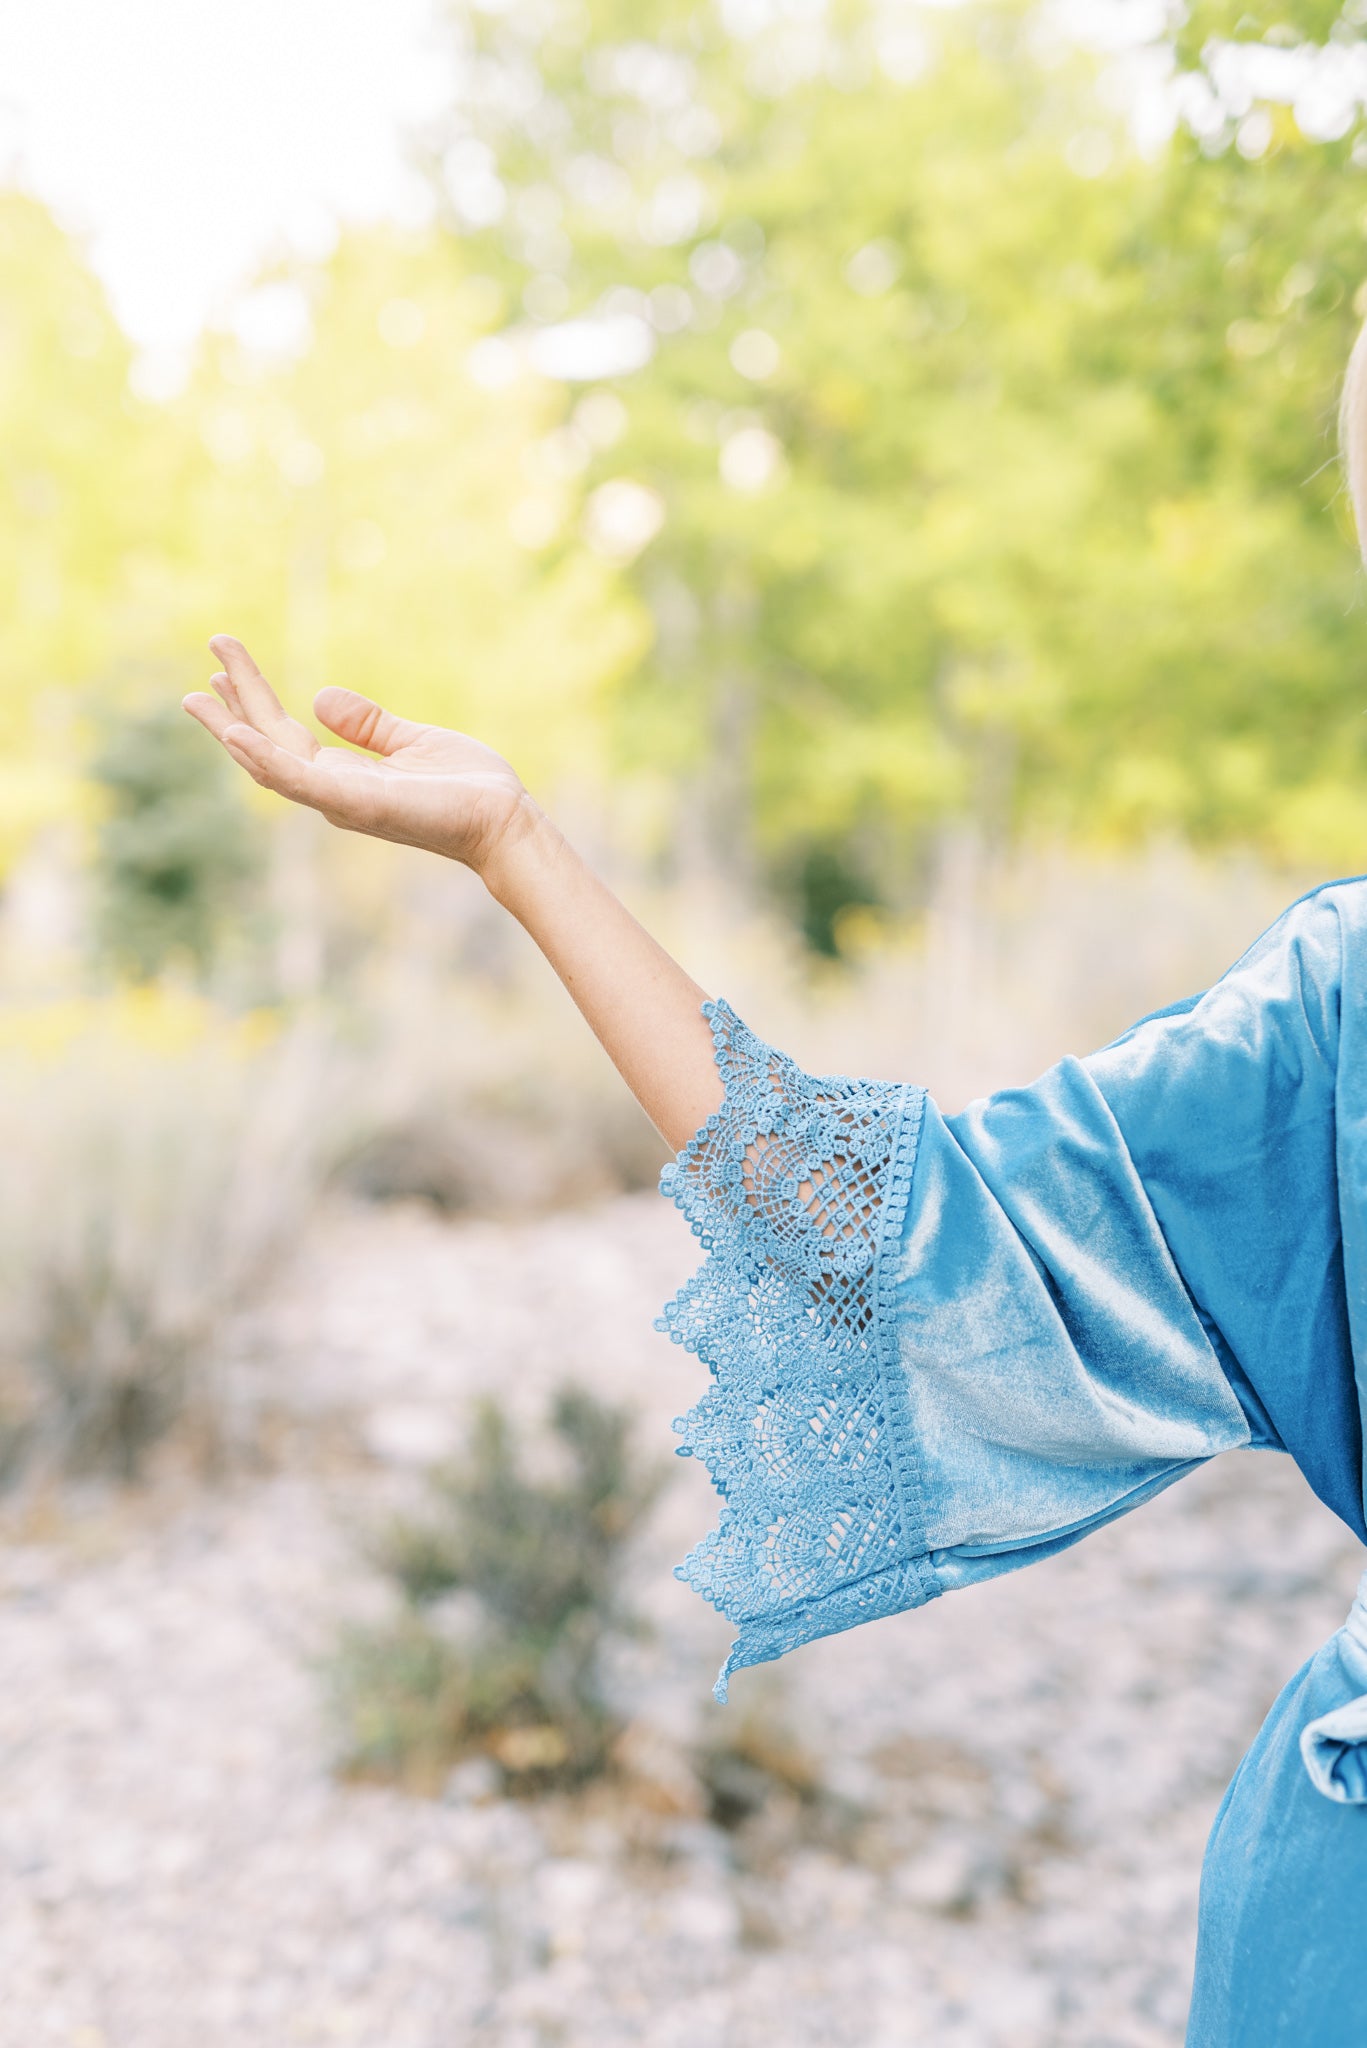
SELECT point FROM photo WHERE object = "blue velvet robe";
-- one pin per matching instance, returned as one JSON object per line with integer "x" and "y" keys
{"x": 942, "y": 1348}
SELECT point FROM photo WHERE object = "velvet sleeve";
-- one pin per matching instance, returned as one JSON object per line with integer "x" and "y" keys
{"x": 1241, "y": 1111}
{"x": 940, "y": 1348}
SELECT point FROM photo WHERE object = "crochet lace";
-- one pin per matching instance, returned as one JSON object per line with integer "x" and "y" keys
{"x": 794, "y": 1187}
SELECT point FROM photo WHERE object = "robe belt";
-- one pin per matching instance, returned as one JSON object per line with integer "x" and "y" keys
{"x": 1334, "y": 1746}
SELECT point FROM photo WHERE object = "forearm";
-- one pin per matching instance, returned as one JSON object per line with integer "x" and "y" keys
{"x": 639, "y": 1003}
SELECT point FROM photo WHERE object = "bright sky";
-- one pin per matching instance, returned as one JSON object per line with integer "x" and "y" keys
{"x": 190, "y": 140}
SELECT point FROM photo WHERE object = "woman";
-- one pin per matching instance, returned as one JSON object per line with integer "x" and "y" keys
{"x": 944, "y": 1347}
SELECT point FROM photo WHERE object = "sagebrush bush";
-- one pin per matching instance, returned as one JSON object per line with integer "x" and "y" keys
{"x": 159, "y": 1160}
{"x": 539, "y": 1561}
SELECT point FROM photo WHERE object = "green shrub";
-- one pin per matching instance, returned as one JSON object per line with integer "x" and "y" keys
{"x": 541, "y": 1560}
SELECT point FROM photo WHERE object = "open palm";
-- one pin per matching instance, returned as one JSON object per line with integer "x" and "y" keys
{"x": 429, "y": 787}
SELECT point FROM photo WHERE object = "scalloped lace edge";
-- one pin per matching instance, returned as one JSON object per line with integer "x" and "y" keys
{"x": 791, "y": 1311}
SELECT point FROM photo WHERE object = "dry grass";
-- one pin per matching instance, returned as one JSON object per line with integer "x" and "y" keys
{"x": 1011, "y": 965}
{"x": 159, "y": 1156}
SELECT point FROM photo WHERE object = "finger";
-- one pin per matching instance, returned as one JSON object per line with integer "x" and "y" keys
{"x": 223, "y": 684}
{"x": 275, "y": 767}
{"x": 355, "y": 718}
{"x": 210, "y": 713}
{"x": 260, "y": 705}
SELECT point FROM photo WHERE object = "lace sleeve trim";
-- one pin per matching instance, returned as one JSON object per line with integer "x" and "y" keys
{"x": 796, "y": 1188}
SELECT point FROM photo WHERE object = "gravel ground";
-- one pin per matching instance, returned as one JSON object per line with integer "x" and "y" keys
{"x": 1016, "y": 1782}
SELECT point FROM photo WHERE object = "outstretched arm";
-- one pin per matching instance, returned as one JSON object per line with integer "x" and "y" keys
{"x": 424, "y": 786}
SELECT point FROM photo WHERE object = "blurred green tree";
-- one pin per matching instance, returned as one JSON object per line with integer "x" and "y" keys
{"x": 382, "y": 508}
{"x": 75, "y": 513}
{"x": 993, "y": 452}
{"x": 175, "y": 844}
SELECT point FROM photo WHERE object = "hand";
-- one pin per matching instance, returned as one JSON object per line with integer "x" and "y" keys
{"x": 430, "y": 787}
{"x": 442, "y": 791}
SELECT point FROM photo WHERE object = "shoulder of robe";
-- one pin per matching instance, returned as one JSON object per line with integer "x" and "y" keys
{"x": 1316, "y": 943}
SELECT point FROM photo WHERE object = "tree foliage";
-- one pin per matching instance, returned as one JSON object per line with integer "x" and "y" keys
{"x": 996, "y": 453}
{"x": 945, "y": 452}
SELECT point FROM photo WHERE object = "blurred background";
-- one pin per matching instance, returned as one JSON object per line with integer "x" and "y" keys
{"x": 871, "y": 465}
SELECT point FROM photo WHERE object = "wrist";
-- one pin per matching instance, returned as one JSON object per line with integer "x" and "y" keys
{"x": 526, "y": 844}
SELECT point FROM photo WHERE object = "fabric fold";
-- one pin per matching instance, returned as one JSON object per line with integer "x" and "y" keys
{"x": 1334, "y": 1750}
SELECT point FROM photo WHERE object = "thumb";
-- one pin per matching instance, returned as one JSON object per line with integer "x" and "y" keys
{"x": 365, "y": 724}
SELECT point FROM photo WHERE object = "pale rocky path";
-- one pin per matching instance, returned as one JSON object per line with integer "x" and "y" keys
{"x": 1031, "y": 1767}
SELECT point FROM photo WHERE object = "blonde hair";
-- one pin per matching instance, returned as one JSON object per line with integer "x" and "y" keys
{"x": 1353, "y": 433}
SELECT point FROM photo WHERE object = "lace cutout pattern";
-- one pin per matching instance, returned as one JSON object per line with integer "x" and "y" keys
{"x": 793, "y": 1187}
